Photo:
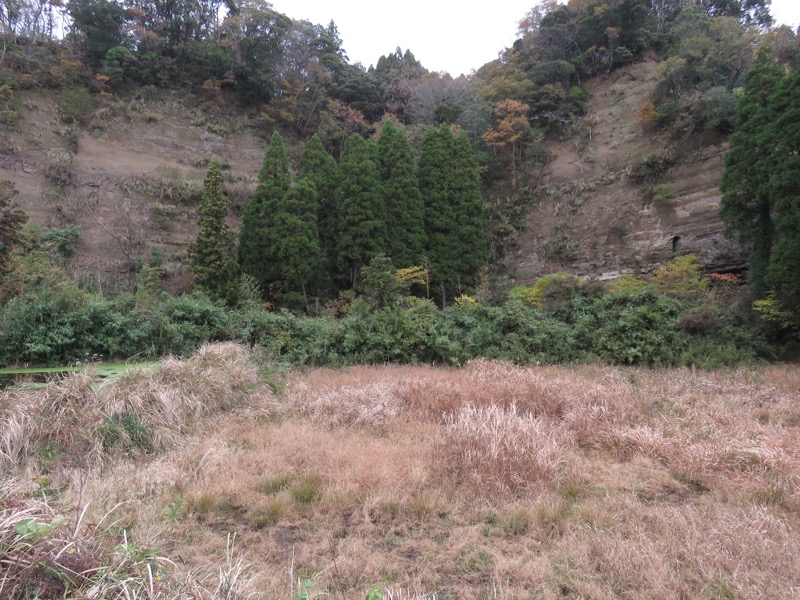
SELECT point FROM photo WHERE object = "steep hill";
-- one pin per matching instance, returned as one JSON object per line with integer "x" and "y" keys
{"x": 129, "y": 177}
{"x": 593, "y": 217}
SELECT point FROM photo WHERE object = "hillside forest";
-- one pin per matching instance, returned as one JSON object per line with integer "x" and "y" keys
{"x": 383, "y": 222}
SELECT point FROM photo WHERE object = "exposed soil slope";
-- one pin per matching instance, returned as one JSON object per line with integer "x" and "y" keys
{"x": 129, "y": 179}
{"x": 593, "y": 219}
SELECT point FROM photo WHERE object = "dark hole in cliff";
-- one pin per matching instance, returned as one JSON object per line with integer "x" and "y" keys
{"x": 676, "y": 243}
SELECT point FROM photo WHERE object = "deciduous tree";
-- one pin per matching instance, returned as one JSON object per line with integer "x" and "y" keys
{"x": 511, "y": 129}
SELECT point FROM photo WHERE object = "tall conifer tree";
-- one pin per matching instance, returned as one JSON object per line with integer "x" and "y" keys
{"x": 471, "y": 219}
{"x": 212, "y": 255}
{"x": 455, "y": 218}
{"x": 745, "y": 185}
{"x": 436, "y": 170}
{"x": 256, "y": 257}
{"x": 362, "y": 212}
{"x": 405, "y": 211}
{"x": 319, "y": 168}
{"x": 296, "y": 247}
{"x": 783, "y": 272}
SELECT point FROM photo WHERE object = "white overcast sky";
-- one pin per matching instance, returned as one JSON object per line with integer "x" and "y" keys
{"x": 445, "y": 35}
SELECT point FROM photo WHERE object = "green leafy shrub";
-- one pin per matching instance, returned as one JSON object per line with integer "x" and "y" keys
{"x": 175, "y": 325}
{"x": 556, "y": 292}
{"x": 9, "y": 105}
{"x": 59, "y": 242}
{"x": 627, "y": 284}
{"x": 682, "y": 278}
{"x": 56, "y": 325}
{"x": 650, "y": 168}
{"x": 639, "y": 329}
{"x": 663, "y": 193}
{"x": 75, "y": 104}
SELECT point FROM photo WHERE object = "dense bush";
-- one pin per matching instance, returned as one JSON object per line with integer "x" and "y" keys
{"x": 63, "y": 325}
{"x": 56, "y": 325}
{"x": 637, "y": 326}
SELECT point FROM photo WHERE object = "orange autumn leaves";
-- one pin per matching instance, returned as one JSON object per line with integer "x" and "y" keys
{"x": 511, "y": 128}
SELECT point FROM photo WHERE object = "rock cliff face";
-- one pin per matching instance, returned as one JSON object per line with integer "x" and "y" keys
{"x": 130, "y": 177}
{"x": 593, "y": 217}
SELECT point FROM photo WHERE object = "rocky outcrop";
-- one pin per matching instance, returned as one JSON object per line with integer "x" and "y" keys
{"x": 594, "y": 217}
{"x": 129, "y": 179}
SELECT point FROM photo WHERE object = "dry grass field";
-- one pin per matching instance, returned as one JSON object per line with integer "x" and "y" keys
{"x": 195, "y": 480}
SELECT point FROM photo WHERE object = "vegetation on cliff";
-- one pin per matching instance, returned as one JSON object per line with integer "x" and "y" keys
{"x": 430, "y": 171}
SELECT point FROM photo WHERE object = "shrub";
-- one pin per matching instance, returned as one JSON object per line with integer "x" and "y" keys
{"x": 176, "y": 325}
{"x": 701, "y": 321}
{"x": 618, "y": 229}
{"x": 58, "y": 325}
{"x": 651, "y": 167}
{"x": 57, "y": 167}
{"x": 9, "y": 104}
{"x": 554, "y": 293}
{"x": 719, "y": 108}
{"x": 667, "y": 112}
{"x": 637, "y": 329}
{"x": 663, "y": 193}
{"x": 75, "y": 104}
{"x": 682, "y": 278}
{"x": 627, "y": 284}
{"x": 60, "y": 241}
{"x": 646, "y": 115}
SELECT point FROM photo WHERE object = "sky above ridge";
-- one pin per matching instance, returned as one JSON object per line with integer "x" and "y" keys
{"x": 444, "y": 35}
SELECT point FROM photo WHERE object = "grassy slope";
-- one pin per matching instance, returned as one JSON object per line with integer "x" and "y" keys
{"x": 487, "y": 482}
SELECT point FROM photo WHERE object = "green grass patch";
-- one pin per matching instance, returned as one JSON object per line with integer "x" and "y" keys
{"x": 103, "y": 370}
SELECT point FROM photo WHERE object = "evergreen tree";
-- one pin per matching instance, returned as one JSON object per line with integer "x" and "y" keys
{"x": 746, "y": 205}
{"x": 319, "y": 168}
{"x": 455, "y": 215}
{"x": 212, "y": 255}
{"x": 256, "y": 257}
{"x": 783, "y": 272}
{"x": 362, "y": 212}
{"x": 405, "y": 211}
{"x": 471, "y": 221}
{"x": 436, "y": 172}
{"x": 296, "y": 248}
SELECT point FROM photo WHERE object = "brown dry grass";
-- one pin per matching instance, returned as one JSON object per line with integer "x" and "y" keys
{"x": 491, "y": 481}
{"x": 78, "y": 419}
